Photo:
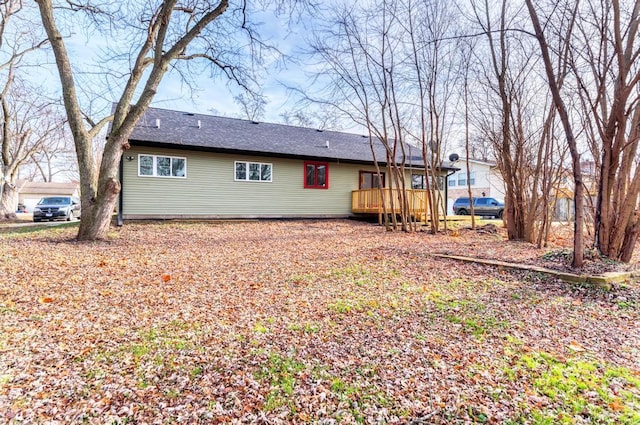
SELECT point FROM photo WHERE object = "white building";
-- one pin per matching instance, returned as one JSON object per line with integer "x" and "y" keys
{"x": 485, "y": 179}
{"x": 29, "y": 193}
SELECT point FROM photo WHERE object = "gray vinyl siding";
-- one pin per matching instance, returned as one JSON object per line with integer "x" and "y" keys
{"x": 209, "y": 190}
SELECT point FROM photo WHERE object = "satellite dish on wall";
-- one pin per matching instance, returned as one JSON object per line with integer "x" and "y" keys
{"x": 453, "y": 157}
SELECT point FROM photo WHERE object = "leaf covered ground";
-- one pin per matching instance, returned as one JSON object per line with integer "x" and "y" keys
{"x": 305, "y": 322}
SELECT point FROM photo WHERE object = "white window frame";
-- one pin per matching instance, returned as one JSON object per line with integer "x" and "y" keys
{"x": 247, "y": 164}
{"x": 155, "y": 166}
{"x": 462, "y": 179}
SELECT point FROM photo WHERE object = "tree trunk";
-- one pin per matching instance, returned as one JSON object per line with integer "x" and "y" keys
{"x": 96, "y": 217}
{"x": 98, "y": 206}
{"x": 8, "y": 202}
{"x": 578, "y": 230}
{"x": 499, "y": 58}
{"x": 631, "y": 237}
{"x": 100, "y": 189}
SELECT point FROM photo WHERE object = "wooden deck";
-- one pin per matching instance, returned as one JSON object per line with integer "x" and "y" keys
{"x": 369, "y": 201}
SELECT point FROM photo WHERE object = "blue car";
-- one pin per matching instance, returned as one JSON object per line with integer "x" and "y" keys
{"x": 486, "y": 207}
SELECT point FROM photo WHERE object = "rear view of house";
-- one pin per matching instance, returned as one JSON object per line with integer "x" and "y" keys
{"x": 184, "y": 165}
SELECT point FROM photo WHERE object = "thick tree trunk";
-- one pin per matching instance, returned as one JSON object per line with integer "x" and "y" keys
{"x": 96, "y": 218}
{"x": 616, "y": 217}
{"x": 619, "y": 191}
{"x": 99, "y": 189}
{"x": 8, "y": 202}
{"x": 98, "y": 207}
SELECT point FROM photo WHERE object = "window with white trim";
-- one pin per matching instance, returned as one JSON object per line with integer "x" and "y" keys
{"x": 462, "y": 179}
{"x": 253, "y": 171}
{"x": 162, "y": 166}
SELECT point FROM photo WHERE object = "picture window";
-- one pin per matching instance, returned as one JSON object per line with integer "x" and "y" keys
{"x": 253, "y": 171}
{"x": 162, "y": 166}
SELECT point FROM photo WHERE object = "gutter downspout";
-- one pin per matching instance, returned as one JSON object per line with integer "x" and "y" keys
{"x": 446, "y": 190}
{"x": 120, "y": 197}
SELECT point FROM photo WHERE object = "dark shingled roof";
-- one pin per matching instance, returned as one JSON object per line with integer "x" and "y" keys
{"x": 211, "y": 133}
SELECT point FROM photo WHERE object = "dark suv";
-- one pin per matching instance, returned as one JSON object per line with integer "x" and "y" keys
{"x": 57, "y": 207}
{"x": 486, "y": 207}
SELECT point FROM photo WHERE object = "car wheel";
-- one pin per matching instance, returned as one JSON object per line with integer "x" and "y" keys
{"x": 463, "y": 212}
{"x": 500, "y": 213}
{"x": 70, "y": 216}
{"x": 36, "y": 220}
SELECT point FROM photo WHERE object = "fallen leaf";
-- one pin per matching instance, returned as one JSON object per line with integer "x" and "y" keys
{"x": 576, "y": 346}
{"x": 134, "y": 340}
{"x": 616, "y": 406}
{"x": 303, "y": 417}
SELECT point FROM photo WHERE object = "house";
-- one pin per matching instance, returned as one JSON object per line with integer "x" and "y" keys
{"x": 485, "y": 180}
{"x": 564, "y": 193}
{"x": 184, "y": 165}
{"x": 29, "y": 193}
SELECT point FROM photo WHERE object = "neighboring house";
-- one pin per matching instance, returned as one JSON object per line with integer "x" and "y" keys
{"x": 485, "y": 179}
{"x": 29, "y": 193}
{"x": 183, "y": 165}
{"x": 564, "y": 194}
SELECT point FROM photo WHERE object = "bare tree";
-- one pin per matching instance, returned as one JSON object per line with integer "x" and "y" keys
{"x": 466, "y": 55}
{"x": 54, "y": 159}
{"x": 252, "y": 105}
{"x": 514, "y": 119}
{"x": 499, "y": 56}
{"x": 390, "y": 66}
{"x": 161, "y": 35}
{"x": 28, "y": 124}
{"x": 433, "y": 55}
{"x": 321, "y": 119}
{"x": 361, "y": 53}
{"x": 480, "y": 148}
{"x": 605, "y": 53}
{"x": 298, "y": 118}
{"x": 599, "y": 43}
{"x": 25, "y": 119}
{"x": 555, "y": 77}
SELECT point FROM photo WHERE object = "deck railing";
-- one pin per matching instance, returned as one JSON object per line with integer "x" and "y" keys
{"x": 369, "y": 201}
